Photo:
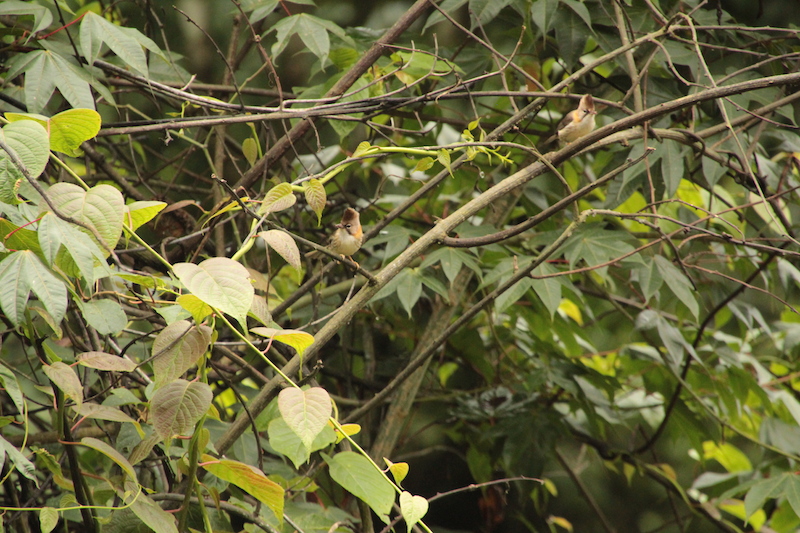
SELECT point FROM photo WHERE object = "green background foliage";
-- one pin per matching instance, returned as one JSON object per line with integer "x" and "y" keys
{"x": 598, "y": 336}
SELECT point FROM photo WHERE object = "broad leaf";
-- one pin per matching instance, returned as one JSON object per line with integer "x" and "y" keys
{"x": 220, "y": 282}
{"x": 316, "y": 197}
{"x": 250, "y": 480}
{"x": 278, "y": 198}
{"x": 177, "y": 348}
{"x": 22, "y": 273}
{"x": 282, "y": 242}
{"x": 101, "y": 207}
{"x": 176, "y": 407}
{"x": 413, "y": 508}
{"x": 306, "y": 412}
{"x": 356, "y": 474}
{"x": 29, "y": 142}
{"x": 126, "y": 43}
{"x": 299, "y": 340}
{"x": 106, "y": 361}
{"x": 65, "y": 378}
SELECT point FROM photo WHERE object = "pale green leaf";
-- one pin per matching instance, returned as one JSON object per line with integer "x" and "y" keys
{"x": 148, "y": 511}
{"x": 316, "y": 197}
{"x": 282, "y": 242}
{"x": 22, "y": 273}
{"x": 65, "y": 378}
{"x": 220, "y": 282}
{"x": 413, "y": 508}
{"x": 250, "y": 150}
{"x": 278, "y": 198}
{"x": 286, "y": 442}
{"x": 101, "y": 207}
{"x": 305, "y": 411}
{"x": 106, "y": 316}
{"x": 111, "y": 453}
{"x": 95, "y": 31}
{"x": 42, "y": 17}
{"x": 48, "y": 519}
{"x": 17, "y": 460}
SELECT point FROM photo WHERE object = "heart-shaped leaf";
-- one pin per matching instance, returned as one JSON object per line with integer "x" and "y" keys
{"x": 305, "y": 411}
{"x": 413, "y": 508}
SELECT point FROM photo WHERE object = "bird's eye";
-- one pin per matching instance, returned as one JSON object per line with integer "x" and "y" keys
{"x": 348, "y": 226}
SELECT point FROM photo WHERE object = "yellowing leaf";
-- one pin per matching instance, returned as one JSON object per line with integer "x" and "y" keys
{"x": 249, "y": 479}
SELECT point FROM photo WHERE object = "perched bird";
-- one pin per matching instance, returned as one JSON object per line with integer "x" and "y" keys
{"x": 346, "y": 240}
{"x": 576, "y": 123}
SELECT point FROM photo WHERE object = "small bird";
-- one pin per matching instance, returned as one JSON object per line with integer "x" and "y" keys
{"x": 346, "y": 240}
{"x": 576, "y": 123}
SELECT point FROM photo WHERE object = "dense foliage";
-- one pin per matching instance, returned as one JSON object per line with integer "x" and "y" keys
{"x": 594, "y": 336}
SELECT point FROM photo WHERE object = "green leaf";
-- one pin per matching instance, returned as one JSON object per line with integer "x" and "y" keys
{"x": 287, "y": 442}
{"x": 29, "y": 142}
{"x": 769, "y": 488}
{"x": 18, "y": 460}
{"x": 101, "y": 207}
{"x": 65, "y": 378}
{"x": 220, "y": 282}
{"x": 250, "y": 480}
{"x": 107, "y": 412}
{"x": 444, "y": 158}
{"x": 356, "y": 474}
{"x": 177, "y": 348}
{"x": 484, "y": 11}
{"x": 650, "y": 278}
{"x": 543, "y": 13}
{"x": 70, "y": 128}
{"x": 22, "y": 273}
{"x": 409, "y": 289}
{"x": 672, "y": 167}
{"x": 106, "y": 361}
{"x": 48, "y": 519}
{"x": 278, "y": 198}
{"x": 197, "y": 307}
{"x": 729, "y": 456}
{"x": 448, "y": 6}
{"x": 452, "y": 259}
{"x": 96, "y": 31}
{"x": 42, "y": 17}
{"x": 282, "y": 242}
{"x": 139, "y": 213}
{"x": 106, "y": 316}
{"x": 513, "y": 294}
{"x": 44, "y": 72}
{"x": 148, "y": 511}
{"x": 313, "y": 31}
{"x": 413, "y": 508}
{"x": 176, "y": 407}
{"x": 316, "y": 197}
{"x": 549, "y": 289}
{"x": 250, "y": 150}
{"x": 595, "y": 245}
{"x": 679, "y": 284}
{"x": 111, "y": 453}
{"x": 571, "y": 34}
{"x": 59, "y": 239}
{"x": 306, "y": 412}
{"x": 18, "y": 238}
{"x": 9, "y": 383}
{"x": 299, "y": 340}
